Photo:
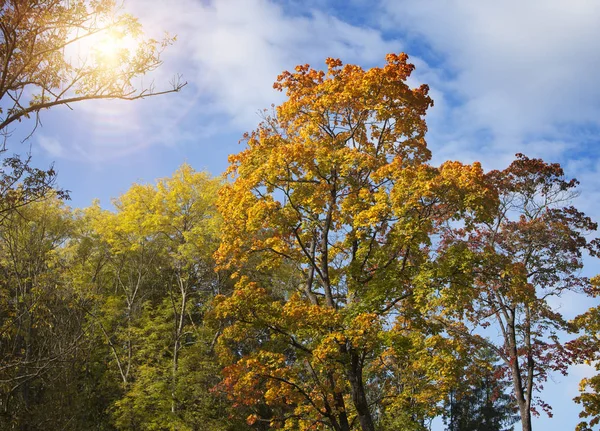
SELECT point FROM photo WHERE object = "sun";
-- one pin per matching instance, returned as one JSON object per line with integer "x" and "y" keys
{"x": 108, "y": 46}
{"x": 112, "y": 47}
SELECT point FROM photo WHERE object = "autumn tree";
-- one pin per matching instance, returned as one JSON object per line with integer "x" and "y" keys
{"x": 330, "y": 225}
{"x": 530, "y": 253}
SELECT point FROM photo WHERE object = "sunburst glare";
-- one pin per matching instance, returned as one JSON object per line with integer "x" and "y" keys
{"x": 112, "y": 47}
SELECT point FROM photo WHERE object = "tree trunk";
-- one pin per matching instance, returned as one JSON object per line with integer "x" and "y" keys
{"x": 359, "y": 396}
{"x": 25, "y": 387}
{"x": 340, "y": 406}
{"x": 523, "y": 397}
{"x": 525, "y": 418}
{"x": 179, "y": 325}
{"x": 342, "y": 416}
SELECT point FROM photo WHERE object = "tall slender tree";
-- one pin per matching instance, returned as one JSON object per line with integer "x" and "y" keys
{"x": 531, "y": 252}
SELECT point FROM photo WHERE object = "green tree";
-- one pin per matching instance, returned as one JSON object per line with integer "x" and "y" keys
{"x": 40, "y": 328}
{"x": 154, "y": 274}
{"x": 480, "y": 401}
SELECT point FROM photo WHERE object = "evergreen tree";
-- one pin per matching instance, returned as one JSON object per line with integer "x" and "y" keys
{"x": 481, "y": 403}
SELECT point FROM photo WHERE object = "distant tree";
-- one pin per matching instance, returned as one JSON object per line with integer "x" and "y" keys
{"x": 480, "y": 401}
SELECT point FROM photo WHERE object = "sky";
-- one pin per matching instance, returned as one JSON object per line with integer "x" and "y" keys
{"x": 506, "y": 77}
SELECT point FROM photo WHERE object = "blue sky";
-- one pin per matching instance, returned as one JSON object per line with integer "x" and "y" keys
{"x": 506, "y": 77}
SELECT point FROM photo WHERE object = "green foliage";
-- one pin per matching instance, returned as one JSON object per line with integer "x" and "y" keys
{"x": 158, "y": 281}
{"x": 40, "y": 324}
{"x": 480, "y": 402}
{"x": 108, "y": 330}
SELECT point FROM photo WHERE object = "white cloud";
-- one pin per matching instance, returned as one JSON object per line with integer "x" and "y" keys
{"x": 51, "y": 145}
{"x": 519, "y": 69}
{"x": 230, "y": 52}
{"x": 505, "y": 76}
{"x": 233, "y": 50}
